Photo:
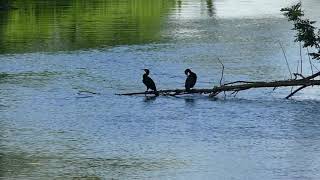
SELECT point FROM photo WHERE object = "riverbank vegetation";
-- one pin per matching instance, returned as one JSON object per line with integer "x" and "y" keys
{"x": 72, "y": 25}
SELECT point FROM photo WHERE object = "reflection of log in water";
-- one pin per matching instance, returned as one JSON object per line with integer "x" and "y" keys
{"x": 237, "y": 86}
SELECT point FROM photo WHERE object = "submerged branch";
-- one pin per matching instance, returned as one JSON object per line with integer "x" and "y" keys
{"x": 294, "y": 92}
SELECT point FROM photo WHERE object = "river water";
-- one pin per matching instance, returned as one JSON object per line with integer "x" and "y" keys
{"x": 63, "y": 61}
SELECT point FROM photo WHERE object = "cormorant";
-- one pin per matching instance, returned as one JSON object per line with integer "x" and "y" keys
{"x": 191, "y": 79}
{"x": 149, "y": 82}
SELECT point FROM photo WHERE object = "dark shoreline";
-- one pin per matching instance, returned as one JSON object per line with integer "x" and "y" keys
{"x": 6, "y": 7}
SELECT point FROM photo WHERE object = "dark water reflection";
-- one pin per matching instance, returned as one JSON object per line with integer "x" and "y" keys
{"x": 35, "y": 167}
{"x": 60, "y": 119}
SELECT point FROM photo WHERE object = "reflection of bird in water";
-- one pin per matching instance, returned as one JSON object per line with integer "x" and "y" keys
{"x": 189, "y": 101}
{"x": 149, "y": 82}
{"x": 150, "y": 99}
{"x": 191, "y": 79}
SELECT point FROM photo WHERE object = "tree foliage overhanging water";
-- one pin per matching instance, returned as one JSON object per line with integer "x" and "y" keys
{"x": 306, "y": 31}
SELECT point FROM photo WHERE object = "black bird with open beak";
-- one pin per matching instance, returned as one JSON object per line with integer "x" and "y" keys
{"x": 191, "y": 79}
{"x": 149, "y": 82}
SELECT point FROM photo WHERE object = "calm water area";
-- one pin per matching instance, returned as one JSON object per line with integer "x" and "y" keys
{"x": 62, "y": 61}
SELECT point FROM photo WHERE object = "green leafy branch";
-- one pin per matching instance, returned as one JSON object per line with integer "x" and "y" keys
{"x": 306, "y": 32}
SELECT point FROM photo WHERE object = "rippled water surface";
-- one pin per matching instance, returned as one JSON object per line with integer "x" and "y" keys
{"x": 63, "y": 61}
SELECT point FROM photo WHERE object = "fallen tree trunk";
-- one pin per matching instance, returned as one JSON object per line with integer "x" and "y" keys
{"x": 237, "y": 86}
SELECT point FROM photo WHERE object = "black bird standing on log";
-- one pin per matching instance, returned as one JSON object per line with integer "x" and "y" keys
{"x": 191, "y": 79}
{"x": 149, "y": 82}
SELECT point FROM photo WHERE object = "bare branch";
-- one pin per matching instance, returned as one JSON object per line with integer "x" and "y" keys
{"x": 222, "y": 72}
{"x": 310, "y": 62}
{"x": 297, "y": 90}
{"x": 298, "y": 74}
{"x": 285, "y": 57}
{"x": 300, "y": 57}
{"x": 312, "y": 76}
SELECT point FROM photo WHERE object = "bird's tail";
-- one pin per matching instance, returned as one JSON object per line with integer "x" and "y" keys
{"x": 156, "y": 93}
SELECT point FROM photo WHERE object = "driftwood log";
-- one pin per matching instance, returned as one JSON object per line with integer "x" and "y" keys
{"x": 237, "y": 86}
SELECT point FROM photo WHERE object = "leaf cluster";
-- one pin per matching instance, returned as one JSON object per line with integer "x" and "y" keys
{"x": 306, "y": 32}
